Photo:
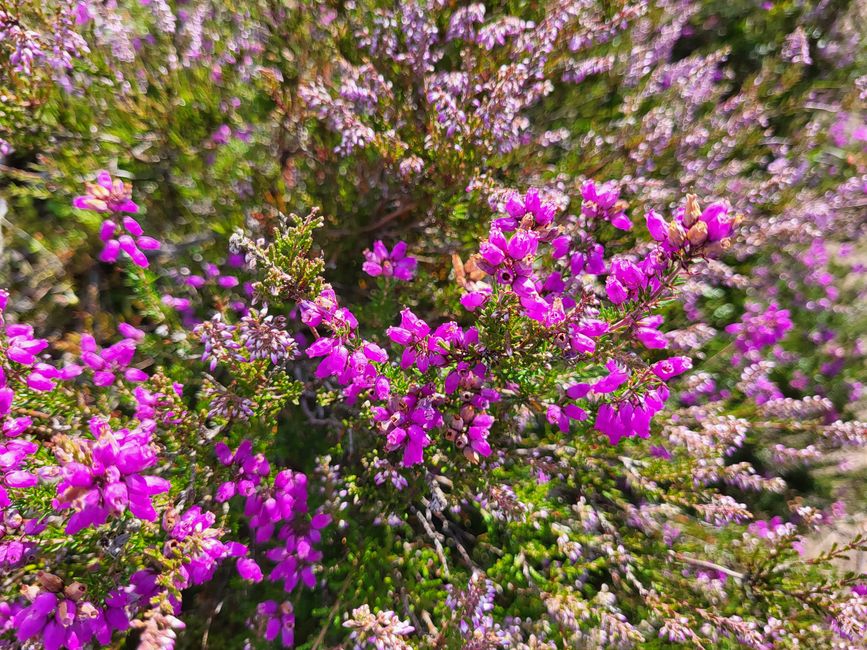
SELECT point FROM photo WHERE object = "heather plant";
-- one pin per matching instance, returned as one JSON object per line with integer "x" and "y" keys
{"x": 570, "y": 319}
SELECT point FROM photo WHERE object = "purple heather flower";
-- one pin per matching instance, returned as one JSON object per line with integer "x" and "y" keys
{"x": 616, "y": 377}
{"x": 13, "y": 453}
{"x": 671, "y": 367}
{"x": 760, "y": 327}
{"x": 405, "y": 422}
{"x": 379, "y": 262}
{"x": 603, "y": 202}
{"x": 111, "y": 481}
{"x": 108, "y": 362}
{"x": 115, "y": 197}
{"x": 278, "y": 620}
{"x": 107, "y": 195}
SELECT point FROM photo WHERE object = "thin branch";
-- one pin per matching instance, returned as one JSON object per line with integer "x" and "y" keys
{"x": 709, "y": 565}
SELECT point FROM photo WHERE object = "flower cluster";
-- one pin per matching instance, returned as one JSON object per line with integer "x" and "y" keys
{"x": 114, "y": 196}
{"x": 571, "y": 414}
{"x": 396, "y": 263}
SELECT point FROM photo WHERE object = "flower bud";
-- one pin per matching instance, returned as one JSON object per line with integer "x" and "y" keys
{"x": 697, "y": 234}
{"x": 49, "y": 581}
{"x": 471, "y": 455}
{"x": 692, "y": 211}
{"x": 75, "y": 591}
{"x": 676, "y": 235}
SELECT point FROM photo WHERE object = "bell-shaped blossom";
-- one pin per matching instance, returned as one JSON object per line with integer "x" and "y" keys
{"x": 115, "y": 197}
{"x": 405, "y": 422}
{"x": 13, "y": 454}
{"x": 108, "y": 363}
{"x": 603, "y": 202}
{"x": 278, "y": 621}
{"x": 381, "y": 262}
{"x": 111, "y": 480}
{"x": 250, "y": 469}
{"x": 671, "y": 367}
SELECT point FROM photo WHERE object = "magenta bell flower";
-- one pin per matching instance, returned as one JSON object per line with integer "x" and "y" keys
{"x": 13, "y": 453}
{"x": 115, "y": 197}
{"x": 60, "y": 622}
{"x": 671, "y": 367}
{"x": 107, "y": 195}
{"x": 380, "y": 262}
{"x": 107, "y": 363}
{"x": 279, "y": 621}
{"x": 413, "y": 334}
{"x": 405, "y": 422}
{"x": 603, "y": 202}
{"x": 113, "y": 479}
{"x": 518, "y": 207}
{"x": 251, "y": 469}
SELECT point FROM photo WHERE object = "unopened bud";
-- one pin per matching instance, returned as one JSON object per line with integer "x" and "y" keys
{"x": 675, "y": 234}
{"x": 692, "y": 211}
{"x": 697, "y": 235}
{"x": 49, "y": 581}
{"x": 471, "y": 455}
{"x": 75, "y": 591}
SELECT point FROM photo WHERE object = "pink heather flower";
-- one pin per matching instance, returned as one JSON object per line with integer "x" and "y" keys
{"x": 760, "y": 328}
{"x": 796, "y": 48}
{"x": 249, "y": 570}
{"x": 413, "y": 334}
{"x": 405, "y": 422}
{"x": 59, "y": 622}
{"x": 671, "y": 367}
{"x": 198, "y": 526}
{"x": 279, "y": 621}
{"x": 336, "y": 356}
{"x": 111, "y": 481}
{"x": 107, "y": 195}
{"x": 472, "y": 300}
{"x": 603, "y": 202}
{"x": 13, "y": 453}
{"x": 630, "y": 418}
{"x": 178, "y": 304}
{"x": 22, "y": 347}
{"x": 379, "y": 262}
{"x": 562, "y": 416}
{"x": 115, "y": 197}
{"x": 107, "y": 363}
{"x": 530, "y": 205}
{"x": 82, "y": 14}
{"x": 657, "y": 226}
{"x": 251, "y": 469}
{"x": 616, "y": 377}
